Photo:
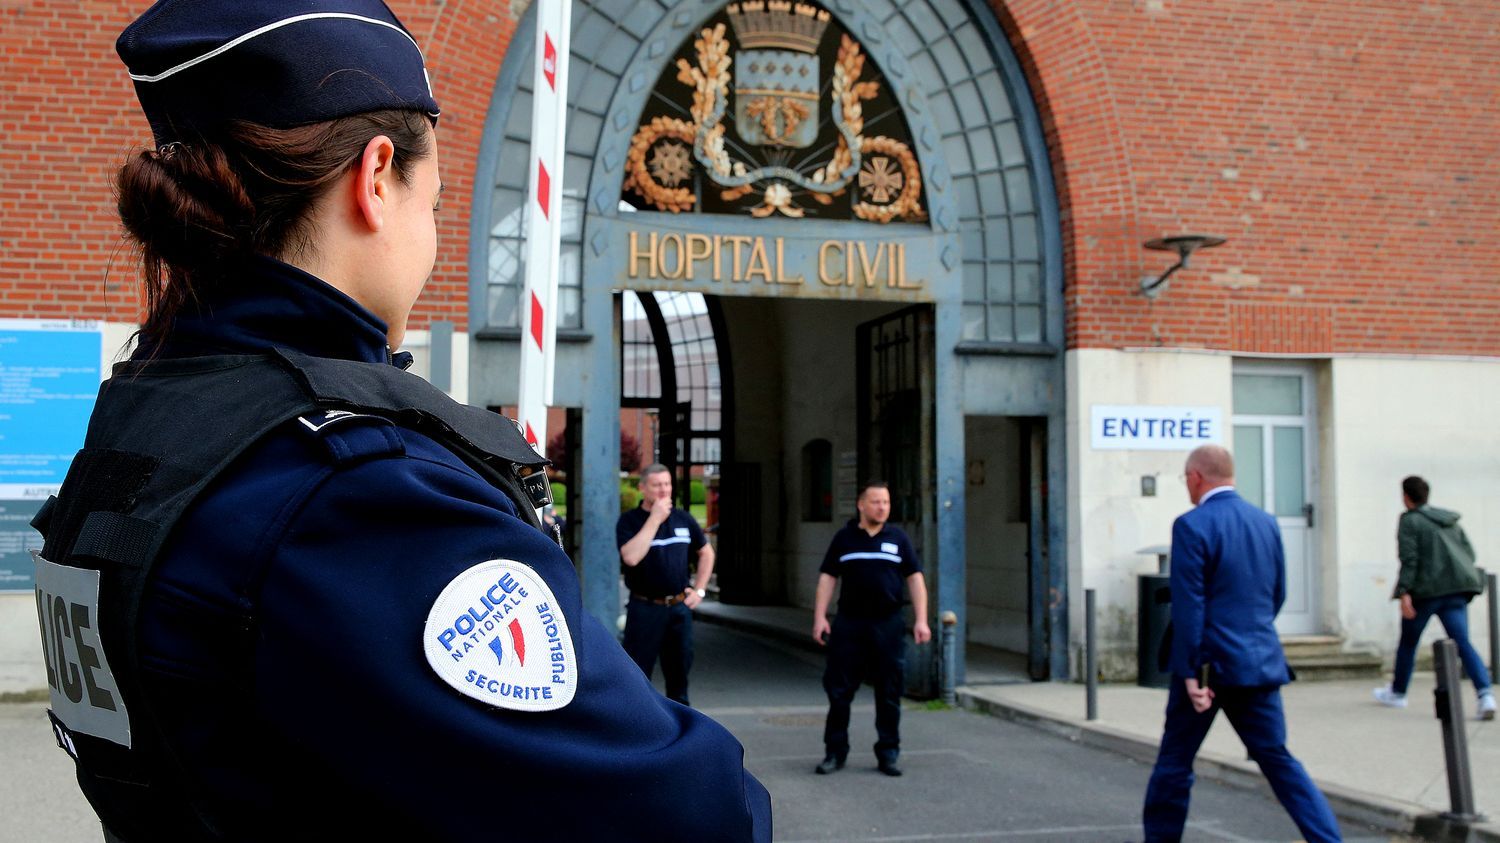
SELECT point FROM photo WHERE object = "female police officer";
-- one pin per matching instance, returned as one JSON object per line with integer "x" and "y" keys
{"x": 288, "y": 590}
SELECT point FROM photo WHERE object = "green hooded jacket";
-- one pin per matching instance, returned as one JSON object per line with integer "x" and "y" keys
{"x": 1436, "y": 557}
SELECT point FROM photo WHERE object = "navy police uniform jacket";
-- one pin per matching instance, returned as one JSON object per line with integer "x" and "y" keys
{"x": 1228, "y": 582}
{"x": 873, "y": 569}
{"x": 291, "y": 635}
{"x": 663, "y": 571}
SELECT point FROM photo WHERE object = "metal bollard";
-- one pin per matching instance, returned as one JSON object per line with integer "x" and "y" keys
{"x": 1450, "y": 712}
{"x": 949, "y": 621}
{"x": 1090, "y": 654}
{"x": 1494, "y": 606}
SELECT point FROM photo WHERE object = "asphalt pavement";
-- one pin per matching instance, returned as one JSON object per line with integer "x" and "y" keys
{"x": 1367, "y": 758}
{"x": 969, "y": 777}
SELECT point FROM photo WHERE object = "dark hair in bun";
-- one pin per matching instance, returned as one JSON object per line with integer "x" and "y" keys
{"x": 195, "y": 208}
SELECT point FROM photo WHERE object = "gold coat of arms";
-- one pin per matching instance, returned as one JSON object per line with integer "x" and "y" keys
{"x": 752, "y": 121}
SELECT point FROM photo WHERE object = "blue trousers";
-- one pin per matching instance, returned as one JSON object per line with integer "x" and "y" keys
{"x": 1453, "y": 611}
{"x": 859, "y": 648}
{"x": 652, "y": 630}
{"x": 1256, "y": 715}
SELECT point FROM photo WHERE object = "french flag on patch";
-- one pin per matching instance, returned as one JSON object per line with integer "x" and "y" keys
{"x": 518, "y": 644}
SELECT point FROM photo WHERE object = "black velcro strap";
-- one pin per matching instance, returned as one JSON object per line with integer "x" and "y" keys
{"x": 99, "y": 480}
{"x": 43, "y": 517}
{"x": 117, "y": 538}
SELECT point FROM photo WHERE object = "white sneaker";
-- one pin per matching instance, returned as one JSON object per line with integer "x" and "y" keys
{"x": 1487, "y": 706}
{"x": 1385, "y": 696}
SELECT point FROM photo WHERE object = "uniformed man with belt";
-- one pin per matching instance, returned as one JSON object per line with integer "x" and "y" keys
{"x": 657, "y": 541}
{"x": 873, "y": 559}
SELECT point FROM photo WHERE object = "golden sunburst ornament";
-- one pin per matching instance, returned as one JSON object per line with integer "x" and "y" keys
{"x": 879, "y": 180}
{"x": 670, "y": 164}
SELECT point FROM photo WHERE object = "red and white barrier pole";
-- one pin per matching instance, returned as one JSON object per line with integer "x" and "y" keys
{"x": 544, "y": 219}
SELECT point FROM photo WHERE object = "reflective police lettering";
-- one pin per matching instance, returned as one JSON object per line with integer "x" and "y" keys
{"x": 70, "y": 684}
{"x": 85, "y": 695}
{"x": 47, "y": 650}
{"x": 89, "y": 658}
{"x": 489, "y": 611}
{"x": 71, "y": 621}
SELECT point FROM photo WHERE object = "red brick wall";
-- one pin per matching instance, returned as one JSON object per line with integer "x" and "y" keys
{"x": 1347, "y": 149}
{"x": 67, "y": 118}
{"x": 70, "y": 119}
{"x": 464, "y": 43}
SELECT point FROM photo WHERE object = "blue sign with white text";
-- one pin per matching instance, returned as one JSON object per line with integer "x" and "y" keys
{"x": 49, "y": 378}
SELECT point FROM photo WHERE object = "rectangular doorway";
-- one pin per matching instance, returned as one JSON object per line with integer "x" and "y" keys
{"x": 1005, "y": 536}
{"x": 1275, "y": 453}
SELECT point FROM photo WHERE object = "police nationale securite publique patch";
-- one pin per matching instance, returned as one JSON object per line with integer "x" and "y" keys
{"x": 497, "y": 634}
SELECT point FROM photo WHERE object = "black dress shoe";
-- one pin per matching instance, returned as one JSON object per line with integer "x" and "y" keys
{"x": 890, "y": 768}
{"x": 830, "y": 764}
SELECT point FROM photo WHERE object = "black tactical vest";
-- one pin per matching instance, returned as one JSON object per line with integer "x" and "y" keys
{"x": 160, "y": 433}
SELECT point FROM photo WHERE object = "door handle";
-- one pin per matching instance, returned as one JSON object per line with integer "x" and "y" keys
{"x": 1307, "y": 511}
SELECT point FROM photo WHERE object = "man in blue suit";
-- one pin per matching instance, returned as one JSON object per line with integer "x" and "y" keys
{"x": 1228, "y": 583}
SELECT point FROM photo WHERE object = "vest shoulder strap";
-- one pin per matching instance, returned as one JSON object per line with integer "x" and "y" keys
{"x": 408, "y": 397}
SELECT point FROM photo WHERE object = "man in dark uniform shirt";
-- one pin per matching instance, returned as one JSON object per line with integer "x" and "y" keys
{"x": 656, "y": 541}
{"x": 873, "y": 559}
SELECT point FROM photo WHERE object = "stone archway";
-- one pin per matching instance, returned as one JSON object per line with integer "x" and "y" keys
{"x": 990, "y": 228}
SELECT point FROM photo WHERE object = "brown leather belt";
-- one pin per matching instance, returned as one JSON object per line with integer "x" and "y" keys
{"x": 671, "y": 600}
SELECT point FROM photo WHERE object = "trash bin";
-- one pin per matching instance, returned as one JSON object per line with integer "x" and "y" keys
{"x": 1154, "y": 597}
{"x": 1154, "y": 611}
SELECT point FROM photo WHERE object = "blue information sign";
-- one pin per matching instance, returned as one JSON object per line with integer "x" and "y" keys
{"x": 17, "y": 539}
{"x": 49, "y": 378}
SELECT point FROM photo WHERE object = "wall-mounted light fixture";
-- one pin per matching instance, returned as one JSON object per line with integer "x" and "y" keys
{"x": 1184, "y": 245}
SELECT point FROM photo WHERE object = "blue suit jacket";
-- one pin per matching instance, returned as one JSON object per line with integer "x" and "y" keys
{"x": 1228, "y": 583}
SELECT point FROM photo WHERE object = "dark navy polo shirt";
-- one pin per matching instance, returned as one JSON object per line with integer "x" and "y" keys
{"x": 664, "y": 570}
{"x": 873, "y": 569}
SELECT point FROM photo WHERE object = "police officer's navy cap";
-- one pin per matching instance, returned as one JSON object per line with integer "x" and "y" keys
{"x": 279, "y": 63}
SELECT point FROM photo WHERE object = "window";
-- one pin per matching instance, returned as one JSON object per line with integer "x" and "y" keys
{"x": 817, "y": 480}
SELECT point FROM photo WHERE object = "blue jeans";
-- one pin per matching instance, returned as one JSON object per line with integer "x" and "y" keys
{"x": 1256, "y": 715}
{"x": 1453, "y": 611}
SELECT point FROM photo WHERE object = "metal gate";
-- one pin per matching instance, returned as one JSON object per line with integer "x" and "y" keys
{"x": 896, "y": 423}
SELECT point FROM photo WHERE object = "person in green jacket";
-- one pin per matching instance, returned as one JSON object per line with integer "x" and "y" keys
{"x": 1437, "y": 577}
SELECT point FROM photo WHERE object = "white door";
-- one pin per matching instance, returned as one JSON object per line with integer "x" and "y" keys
{"x": 1274, "y": 454}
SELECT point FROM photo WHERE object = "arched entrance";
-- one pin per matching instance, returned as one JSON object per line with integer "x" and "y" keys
{"x": 820, "y": 169}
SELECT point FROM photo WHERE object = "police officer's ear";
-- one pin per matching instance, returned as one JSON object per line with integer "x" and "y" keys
{"x": 374, "y": 182}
